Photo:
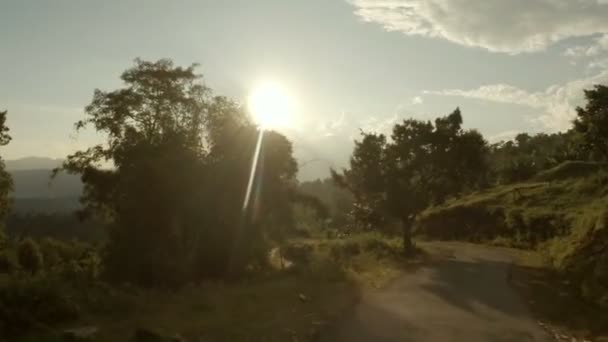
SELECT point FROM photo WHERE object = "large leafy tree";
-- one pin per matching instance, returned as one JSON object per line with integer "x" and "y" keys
{"x": 172, "y": 175}
{"x": 420, "y": 165}
{"x": 6, "y": 183}
{"x": 592, "y": 122}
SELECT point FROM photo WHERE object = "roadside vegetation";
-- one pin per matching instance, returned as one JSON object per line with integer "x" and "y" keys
{"x": 563, "y": 219}
{"x": 297, "y": 297}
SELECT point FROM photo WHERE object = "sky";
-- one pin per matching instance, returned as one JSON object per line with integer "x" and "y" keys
{"x": 510, "y": 65}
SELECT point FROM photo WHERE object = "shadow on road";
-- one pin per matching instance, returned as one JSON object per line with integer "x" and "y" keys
{"x": 463, "y": 295}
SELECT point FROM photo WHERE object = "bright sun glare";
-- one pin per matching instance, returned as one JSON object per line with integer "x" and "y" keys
{"x": 271, "y": 106}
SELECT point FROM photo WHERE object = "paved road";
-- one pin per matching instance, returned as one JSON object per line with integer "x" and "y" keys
{"x": 462, "y": 295}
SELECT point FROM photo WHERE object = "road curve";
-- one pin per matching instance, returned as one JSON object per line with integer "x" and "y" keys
{"x": 462, "y": 295}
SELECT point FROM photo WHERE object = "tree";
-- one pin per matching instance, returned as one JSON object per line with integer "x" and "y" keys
{"x": 6, "y": 183}
{"x": 592, "y": 122}
{"x": 29, "y": 256}
{"x": 421, "y": 165}
{"x": 181, "y": 160}
{"x": 526, "y": 155}
{"x": 366, "y": 180}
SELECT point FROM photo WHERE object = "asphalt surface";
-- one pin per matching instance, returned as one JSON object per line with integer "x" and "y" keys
{"x": 461, "y": 295}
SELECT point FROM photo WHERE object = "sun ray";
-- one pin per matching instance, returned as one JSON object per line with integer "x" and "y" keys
{"x": 271, "y": 106}
{"x": 252, "y": 173}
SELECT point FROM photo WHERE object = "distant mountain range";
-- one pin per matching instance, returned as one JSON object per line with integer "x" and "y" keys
{"x": 35, "y": 191}
{"x": 32, "y": 163}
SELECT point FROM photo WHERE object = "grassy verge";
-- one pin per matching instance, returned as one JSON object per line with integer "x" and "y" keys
{"x": 556, "y": 302}
{"x": 288, "y": 304}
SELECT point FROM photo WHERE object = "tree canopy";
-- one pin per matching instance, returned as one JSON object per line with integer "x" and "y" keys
{"x": 422, "y": 163}
{"x": 180, "y": 160}
{"x": 591, "y": 122}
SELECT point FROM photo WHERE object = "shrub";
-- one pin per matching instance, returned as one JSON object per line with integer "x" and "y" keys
{"x": 475, "y": 222}
{"x": 55, "y": 252}
{"x": 307, "y": 221}
{"x": 583, "y": 256}
{"x": 83, "y": 271}
{"x": 298, "y": 253}
{"x": 29, "y": 256}
{"x": 570, "y": 169}
{"x": 31, "y": 303}
{"x": 345, "y": 249}
{"x": 376, "y": 245}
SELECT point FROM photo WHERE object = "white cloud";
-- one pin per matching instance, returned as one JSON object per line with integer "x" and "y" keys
{"x": 330, "y": 127}
{"x": 509, "y": 26}
{"x": 599, "y": 64}
{"x": 599, "y": 46}
{"x": 417, "y": 100}
{"x": 502, "y": 93}
{"x": 557, "y": 103}
{"x": 376, "y": 125}
{"x": 503, "y": 136}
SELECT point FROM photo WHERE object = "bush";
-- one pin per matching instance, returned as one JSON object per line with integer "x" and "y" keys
{"x": 345, "y": 249}
{"x": 307, "y": 221}
{"x": 31, "y": 303}
{"x": 476, "y": 222}
{"x": 83, "y": 271}
{"x": 298, "y": 253}
{"x": 376, "y": 245}
{"x": 29, "y": 256}
{"x": 57, "y": 252}
{"x": 570, "y": 169}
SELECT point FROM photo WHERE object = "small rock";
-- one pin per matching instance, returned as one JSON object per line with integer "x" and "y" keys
{"x": 80, "y": 334}
{"x": 303, "y": 297}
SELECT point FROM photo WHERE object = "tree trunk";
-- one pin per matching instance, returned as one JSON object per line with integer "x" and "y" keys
{"x": 406, "y": 226}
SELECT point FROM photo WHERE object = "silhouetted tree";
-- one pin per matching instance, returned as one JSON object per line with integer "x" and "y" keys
{"x": 366, "y": 180}
{"x": 181, "y": 160}
{"x": 6, "y": 183}
{"x": 592, "y": 122}
{"x": 422, "y": 164}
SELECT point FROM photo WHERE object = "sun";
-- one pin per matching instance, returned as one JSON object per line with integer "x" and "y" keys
{"x": 271, "y": 106}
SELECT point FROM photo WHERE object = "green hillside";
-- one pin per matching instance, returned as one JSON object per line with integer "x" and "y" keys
{"x": 564, "y": 217}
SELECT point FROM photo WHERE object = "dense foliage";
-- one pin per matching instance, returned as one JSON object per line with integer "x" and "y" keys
{"x": 422, "y": 163}
{"x": 592, "y": 123}
{"x": 181, "y": 160}
{"x": 562, "y": 214}
{"x": 525, "y": 156}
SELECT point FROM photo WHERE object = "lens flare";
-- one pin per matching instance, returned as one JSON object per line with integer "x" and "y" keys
{"x": 252, "y": 173}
